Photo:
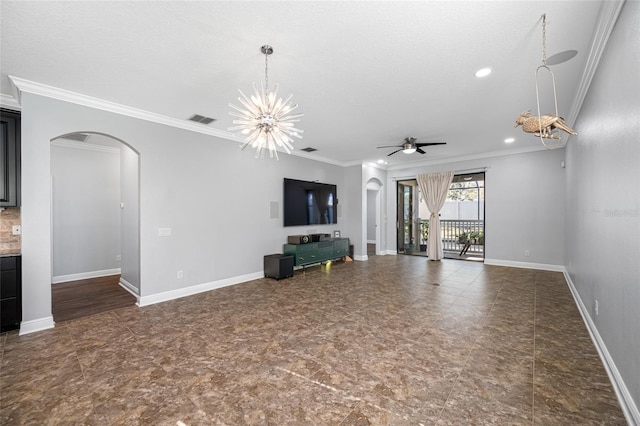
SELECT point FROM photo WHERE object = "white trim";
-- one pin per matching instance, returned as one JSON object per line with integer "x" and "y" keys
{"x": 9, "y": 102}
{"x": 85, "y": 275}
{"x": 459, "y": 158}
{"x": 195, "y": 289}
{"x": 526, "y": 265}
{"x": 27, "y": 327}
{"x": 129, "y": 287}
{"x": 371, "y": 241}
{"x": 22, "y": 85}
{"x": 389, "y": 252}
{"x": 84, "y": 145}
{"x": 607, "y": 18}
{"x": 360, "y": 258}
{"x": 303, "y": 154}
{"x": 629, "y": 408}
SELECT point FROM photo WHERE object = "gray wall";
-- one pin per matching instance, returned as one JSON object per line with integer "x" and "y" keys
{"x": 524, "y": 205}
{"x": 371, "y": 215}
{"x": 86, "y": 217}
{"x": 354, "y": 201}
{"x": 603, "y": 199}
{"x": 129, "y": 217}
{"x": 214, "y": 197}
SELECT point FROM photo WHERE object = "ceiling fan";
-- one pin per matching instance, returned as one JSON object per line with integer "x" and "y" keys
{"x": 409, "y": 146}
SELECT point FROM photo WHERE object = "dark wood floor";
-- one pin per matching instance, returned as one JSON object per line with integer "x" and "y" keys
{"x": 82, "y": 298}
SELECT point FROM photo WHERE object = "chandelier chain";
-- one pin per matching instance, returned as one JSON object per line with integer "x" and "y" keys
{"x": 266, "y": 73}
{"x": 544, "y": 39}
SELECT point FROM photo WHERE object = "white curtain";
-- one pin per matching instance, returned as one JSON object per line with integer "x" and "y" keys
{"x": 434, "y": 188}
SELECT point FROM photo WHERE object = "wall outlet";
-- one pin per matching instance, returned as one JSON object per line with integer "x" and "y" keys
{"x": 16, "y": 230}
{"x": 526, "y": 253}
{"x": 596, "y": 307}
{"x": 180, "y": 274}
{"x": 118, "y": 258}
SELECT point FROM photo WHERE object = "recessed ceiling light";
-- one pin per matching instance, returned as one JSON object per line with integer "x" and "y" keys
{"x": 483, "y": 72}
{"x": 382, "y": 162}
{"x": 509, "y": 140}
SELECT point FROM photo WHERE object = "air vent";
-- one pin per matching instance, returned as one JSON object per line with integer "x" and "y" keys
{"x": 202, "y": 119}
{"x": 79, "y": 137}
{"x": 308, "y": 149}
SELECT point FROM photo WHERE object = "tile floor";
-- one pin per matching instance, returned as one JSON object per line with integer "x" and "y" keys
{"x": 397, "y": 340}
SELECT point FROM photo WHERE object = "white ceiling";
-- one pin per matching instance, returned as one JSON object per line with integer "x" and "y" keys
{"x": 365, "y": 73}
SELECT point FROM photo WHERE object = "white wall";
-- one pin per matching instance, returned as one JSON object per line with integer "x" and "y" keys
{"x": 215, "y": 198}
{"x": 524, "y": 206}
{"x": 603, "y": 200}
{"x": 86, "y": 217}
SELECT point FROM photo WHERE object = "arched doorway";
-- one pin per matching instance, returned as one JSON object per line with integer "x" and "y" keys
{"x": 373, "y": 214}
{"x": 95, "y": 245}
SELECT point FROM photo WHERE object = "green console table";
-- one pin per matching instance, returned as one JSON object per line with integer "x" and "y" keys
{"x": 322, "y": 251}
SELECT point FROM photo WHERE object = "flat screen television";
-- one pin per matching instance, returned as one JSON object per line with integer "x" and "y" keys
{"x": 309, "y": 203}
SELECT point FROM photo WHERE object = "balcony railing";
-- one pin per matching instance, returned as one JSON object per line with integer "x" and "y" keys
{"x": 456, "y": 234}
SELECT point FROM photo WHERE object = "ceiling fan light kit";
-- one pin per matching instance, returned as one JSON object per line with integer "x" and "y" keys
{"x": 265, "y": 120}
{"x": 409, "y": 146}
{"x": 544, "y": 126}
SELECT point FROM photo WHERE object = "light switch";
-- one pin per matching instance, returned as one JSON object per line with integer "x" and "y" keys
{"x": 164, "y": 232}
{"x": 16, "y": 230}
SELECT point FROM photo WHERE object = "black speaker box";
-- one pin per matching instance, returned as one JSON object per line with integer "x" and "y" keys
{"x": 278, "y": 266}
{"x": 319, "y": 237}
{"x": 298, "y": 239}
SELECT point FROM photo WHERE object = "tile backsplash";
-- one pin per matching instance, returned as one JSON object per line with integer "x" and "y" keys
{"x": 9, "y": 243}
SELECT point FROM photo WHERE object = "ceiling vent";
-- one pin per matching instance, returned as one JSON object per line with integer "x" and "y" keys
{"x": 202, "y": 119}
{"x": 79, "y": 137}
{"x": 308, "y": 149}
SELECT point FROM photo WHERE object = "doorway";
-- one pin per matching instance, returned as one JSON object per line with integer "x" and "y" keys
{"x": 95, "y": 221}
{"x": 409, "y": 240}
{"x": 461, "y": 218}
{"x": 374, "y": 213}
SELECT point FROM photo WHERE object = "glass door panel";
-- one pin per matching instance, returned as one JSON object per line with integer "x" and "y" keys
{"x": 408, "y": 227}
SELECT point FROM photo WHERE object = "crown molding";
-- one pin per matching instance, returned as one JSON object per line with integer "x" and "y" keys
{"x": 9, "y": 102}
{"x": 609, "y": 12}
{"x": 326, "y": 160}
{"x": 21, "y": 85}
{"x": 84, "y": 145}
{"x": 479, "y": 156}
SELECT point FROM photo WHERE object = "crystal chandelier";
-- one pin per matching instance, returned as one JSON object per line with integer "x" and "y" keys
{"x": 266, "y": 120}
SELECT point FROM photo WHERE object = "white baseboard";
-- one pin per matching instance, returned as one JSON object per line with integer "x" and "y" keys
{"x": 629, "y": 408}
{"x": 85, "y": 275}
{"x": 195, "y": 289}
{"x": 389, "y": 252}
{"x": 27, "y": 327}
{"x": 526, "y": 265}
{"x": 361, "y": 258}
{"x": 130, "y": 288}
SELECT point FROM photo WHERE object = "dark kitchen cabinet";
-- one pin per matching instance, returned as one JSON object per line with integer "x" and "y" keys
{"x": 9, "y": 158}
{"x": 10, "y": 292}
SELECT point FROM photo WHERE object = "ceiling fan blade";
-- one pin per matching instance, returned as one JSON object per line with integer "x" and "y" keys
{"x": 390, "y": 146}
{"x": 420, "y": 151}
{"x": 398, "y": 150}
{"x": 430, "y": 144}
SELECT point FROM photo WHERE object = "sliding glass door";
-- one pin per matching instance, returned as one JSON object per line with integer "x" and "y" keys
{"x": 461, "y": 218}
{"x": 407, "y": 223}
